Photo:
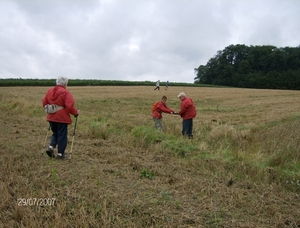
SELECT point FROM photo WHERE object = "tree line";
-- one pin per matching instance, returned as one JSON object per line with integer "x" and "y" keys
{"x": 266, "y": 67}
{"x": 87, "y": 82}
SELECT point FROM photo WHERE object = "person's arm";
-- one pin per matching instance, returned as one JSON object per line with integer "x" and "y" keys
{"x": 164, "y": 108}
{"x": 69, "y": 104}
{"x": 183, "y": 107}
{"x": 45, "y": 99}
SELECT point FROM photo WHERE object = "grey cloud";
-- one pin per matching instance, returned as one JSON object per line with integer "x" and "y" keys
{"x": 132, "y": 39}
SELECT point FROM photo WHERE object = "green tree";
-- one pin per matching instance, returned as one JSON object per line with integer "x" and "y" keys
{"x": 252, "y": 67}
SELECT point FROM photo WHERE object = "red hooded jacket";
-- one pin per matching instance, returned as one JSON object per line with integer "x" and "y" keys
{"x": 187, "y": 109}
{"x": 161, "y": 107}
{"x": 59, "y": 95}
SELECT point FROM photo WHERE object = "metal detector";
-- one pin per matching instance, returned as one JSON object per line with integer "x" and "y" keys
{"x": 73, "y": 138}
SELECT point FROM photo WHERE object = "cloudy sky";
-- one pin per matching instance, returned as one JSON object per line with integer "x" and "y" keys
{"x": 135, "y": 40}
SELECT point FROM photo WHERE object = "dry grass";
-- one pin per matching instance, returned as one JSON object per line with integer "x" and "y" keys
{"x": 123, "y": 173}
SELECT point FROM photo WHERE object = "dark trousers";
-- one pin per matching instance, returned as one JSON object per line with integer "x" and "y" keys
{"x": 59, "y": 136}
{"x": 187, "y": 127}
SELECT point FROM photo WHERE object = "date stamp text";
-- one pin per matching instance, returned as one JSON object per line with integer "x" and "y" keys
{"x": 36, "y": 201}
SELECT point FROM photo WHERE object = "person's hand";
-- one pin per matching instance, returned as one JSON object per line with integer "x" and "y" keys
{"x": 77, "y": 113}
{"x": 175, "y": 113}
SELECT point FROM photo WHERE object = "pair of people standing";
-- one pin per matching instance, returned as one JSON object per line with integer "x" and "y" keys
{"x": 157, "y": 85}
{"x": 187, "y": 113}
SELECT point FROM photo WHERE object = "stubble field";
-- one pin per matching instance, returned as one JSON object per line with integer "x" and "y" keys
{"x": 240, "y": 170}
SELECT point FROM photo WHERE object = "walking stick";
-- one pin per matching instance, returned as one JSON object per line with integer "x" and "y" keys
{"x": 46, "y": 139}
{"x": 73, "y": 138}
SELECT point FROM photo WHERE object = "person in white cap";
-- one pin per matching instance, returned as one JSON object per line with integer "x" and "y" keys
{"x": 187, "y": 113}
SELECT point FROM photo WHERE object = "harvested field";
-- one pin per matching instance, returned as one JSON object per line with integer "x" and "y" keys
{"x": 242, "y": 169}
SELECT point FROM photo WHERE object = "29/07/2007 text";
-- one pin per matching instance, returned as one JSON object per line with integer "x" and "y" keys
{"x": 35, "y": 201}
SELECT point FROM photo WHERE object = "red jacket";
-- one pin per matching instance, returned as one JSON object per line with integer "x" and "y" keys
{"x": 187, "y": 109}
{"x": 59, "y": 95}
{"x": 161, "y": 107}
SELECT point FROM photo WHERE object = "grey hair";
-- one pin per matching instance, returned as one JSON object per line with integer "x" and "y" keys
{"x": 62, "y": 81}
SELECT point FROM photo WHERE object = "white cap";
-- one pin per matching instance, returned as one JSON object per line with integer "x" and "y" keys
{"x": 182, "y": 94}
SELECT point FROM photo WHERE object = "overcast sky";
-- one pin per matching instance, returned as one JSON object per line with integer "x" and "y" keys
{"x": 135, "y": 40}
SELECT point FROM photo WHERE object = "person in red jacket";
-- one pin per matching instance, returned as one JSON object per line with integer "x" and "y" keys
{"x": 157, "y": 112}
{"x": 187, "y": 113}
{"x": 59, "y": 104}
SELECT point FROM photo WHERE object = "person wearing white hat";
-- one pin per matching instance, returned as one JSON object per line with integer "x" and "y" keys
{"x": 187, "y": 113}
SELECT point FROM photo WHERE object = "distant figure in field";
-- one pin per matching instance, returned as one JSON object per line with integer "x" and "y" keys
{"x": 167, "y": 85}
{"x": 157, "y": 85}
{"x": 157, "y": 109}
{"x": 187, "y": 113}
{"x": 59, "y": 104}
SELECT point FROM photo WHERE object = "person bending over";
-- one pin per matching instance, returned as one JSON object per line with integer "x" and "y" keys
{"x": 161, "y": 106}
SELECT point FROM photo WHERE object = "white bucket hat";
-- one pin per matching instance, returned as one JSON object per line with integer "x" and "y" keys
{"x": 182, "y": 94}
